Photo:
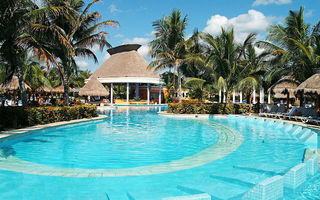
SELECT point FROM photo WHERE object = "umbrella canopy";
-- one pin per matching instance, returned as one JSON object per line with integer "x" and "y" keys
{"x": 126, "y": 65}
{"x": 13, "y": 85}
{"x": 44, "y": 89}
{"x": 284, "y": 85}
{"x": 311, "y": 85}
{"x": 60, "y": 89}
{"x": 93, "y": 88}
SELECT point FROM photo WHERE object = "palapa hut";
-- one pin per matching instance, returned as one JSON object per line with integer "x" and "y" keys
{"x": 43, "y": 89}
{"x": 311, "y": 85}
{"x": 60, "y": 89}
{"x": 93, "y": 88}
{"x": 126, "y": 65}
{"x": 13, "y": 85}
{"x": 284, "y": 89}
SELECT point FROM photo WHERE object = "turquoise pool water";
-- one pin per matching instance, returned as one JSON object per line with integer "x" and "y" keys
{"x": 137, "y": 154}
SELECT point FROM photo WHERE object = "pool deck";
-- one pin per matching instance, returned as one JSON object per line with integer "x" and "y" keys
{"x": 17, "y": 132}
{"x": 288, "y": 121}
{"x": 165, "y": 113}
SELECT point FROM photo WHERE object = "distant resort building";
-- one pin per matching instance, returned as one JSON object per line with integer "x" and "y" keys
{"x": 126, "y": 67}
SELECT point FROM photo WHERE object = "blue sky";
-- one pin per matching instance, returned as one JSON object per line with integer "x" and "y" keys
{"x": 136, "y": 17}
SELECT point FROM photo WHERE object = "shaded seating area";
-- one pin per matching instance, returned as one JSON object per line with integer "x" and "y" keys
{"x": 94, "y": 88}
{"x": 306, "y": 114}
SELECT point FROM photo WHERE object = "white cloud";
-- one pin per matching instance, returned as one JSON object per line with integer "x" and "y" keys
{"x": 113, "y": 8}
{"x": 144, "y": 50}
{"x": 119, "y": 36}
{"x": 266, "y": 2}
{"x": 82, "y": 64}
{"x": 253, "y": 21}
{"x": 137, "y": 40}
{"x": 309, "y": 13}
{"x": 151, "y": 34}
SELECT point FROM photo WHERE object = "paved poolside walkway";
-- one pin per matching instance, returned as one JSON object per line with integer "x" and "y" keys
{"x": 288, "y": 121}
{"x": 18, "y": 132}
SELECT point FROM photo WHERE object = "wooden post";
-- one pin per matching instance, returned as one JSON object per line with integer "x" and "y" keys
{"x": 234, "y": 96}
{"x": 128, "y": 91}
{"x": 148, "y": 93}
{"x": 159, "y": 93}
{"x": 254, "y": 95}
{"x": 111, "y": 93}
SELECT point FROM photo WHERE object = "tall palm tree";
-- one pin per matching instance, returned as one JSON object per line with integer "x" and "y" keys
{"x": 80, "y": 30}
{"x": 169, "y": 46}
{"x": 227, "y": 59}
{"x": 17, "y": 19}
{"x": 78, "y": 80}
{"x": 285, "y": 45}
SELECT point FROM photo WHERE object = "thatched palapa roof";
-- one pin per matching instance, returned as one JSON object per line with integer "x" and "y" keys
{"x": 284, "y": 85}
{"x": 93, "y": 88}
{"x": 44, "y": 89}
{"x": 13, "y": 85}
{"x": 125, "y": 61}
{"x": 311, "y": 85}
{"x": 60, "y": 89}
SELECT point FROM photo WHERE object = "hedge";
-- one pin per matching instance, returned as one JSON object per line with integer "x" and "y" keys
{"x": 17, "y": 117}
{"x": 207, "y": 108}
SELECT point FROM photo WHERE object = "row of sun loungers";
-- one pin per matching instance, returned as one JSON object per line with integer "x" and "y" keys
{"x": 306, "y": 115}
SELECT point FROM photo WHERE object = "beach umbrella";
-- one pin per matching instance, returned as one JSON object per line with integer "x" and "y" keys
{"x": 13, "y": 85}
{"x": 60, "y": 89}
{"x": 93, "y": 88}
{"x": 285, "y": 88}
{"x": 311, "y": 85}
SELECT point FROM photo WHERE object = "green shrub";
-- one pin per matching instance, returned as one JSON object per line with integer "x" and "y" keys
{"x": 17, "y": 117}
{"x": 207, "y": 108}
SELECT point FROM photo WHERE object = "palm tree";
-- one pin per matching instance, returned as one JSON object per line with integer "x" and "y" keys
{"x": 17, "y": 20}
{"x": 33, "y": 73}
{"x": 78, "y": 80}
{"x": 228, "y": 60}
{"x": 169, "y": 46}
{"x": 310, "y": 52}
{"x": 80, "y": 31}
{"x": 285, "y": 46}
{"x": 197, "y": 89}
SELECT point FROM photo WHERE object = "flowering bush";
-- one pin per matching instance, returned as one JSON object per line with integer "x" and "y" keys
{"x": 16, "y": 117}
{"x": 207, "y": 108}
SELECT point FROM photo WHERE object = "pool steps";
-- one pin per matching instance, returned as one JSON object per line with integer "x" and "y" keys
{"x": 203, "y": 196}
{"x": 303, "y": 135}
{"x": 273, "y": 188}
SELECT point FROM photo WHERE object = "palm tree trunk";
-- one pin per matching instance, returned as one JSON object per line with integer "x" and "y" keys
{"x": 23, "y": 92}
{"x": 66, "y": 90}
{"x": 180, "y": 84}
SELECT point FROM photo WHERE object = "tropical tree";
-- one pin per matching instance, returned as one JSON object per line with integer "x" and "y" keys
{"x": 169, "y": 46}
{"x": 78, "y": 80}
{"x": 53, "y": 77}
{"x": 289, "y": 44}
{"x": 80, "y": 30}
{"x": 33, "y": 73}
{"x": 17, "y": 19}
{"x": 196, "y": 86}
{"x": 227, "y": 59}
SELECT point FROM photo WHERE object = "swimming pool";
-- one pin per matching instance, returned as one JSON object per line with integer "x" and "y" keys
{"x": 138, "y": 154}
